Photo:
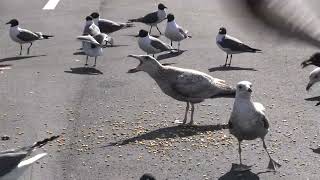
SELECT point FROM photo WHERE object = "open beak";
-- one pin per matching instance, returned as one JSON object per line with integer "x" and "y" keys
{"x": 309, "y": 86}
{"x": 134, "y": 70}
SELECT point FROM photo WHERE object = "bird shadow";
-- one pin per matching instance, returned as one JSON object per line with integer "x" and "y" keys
{"x": 84, "y": 71}
{"x": 316, "y": 150}
{"x": 240, "y": 175}
{"x": 117, "y": 45}
{"x": 171, "y": 132}
{"x": 170, "y": 55}
{"x": 16, "y": 58}
{"x": 231, "y": 68}
{"x": 79, "y": 53}
{"x": 316, "y": 98}
{"x": 136, "y": 36}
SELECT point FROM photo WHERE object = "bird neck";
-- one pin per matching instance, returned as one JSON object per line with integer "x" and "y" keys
{"x": 89, "y": 23}
{"x": 156, "y": 71}
{"x": 242, "y": 103}
{"x": 96, "y": 20}
{"x": 162, "y": 14}
{"x": 172, "y": 23}
{"x": 220, "y": 37}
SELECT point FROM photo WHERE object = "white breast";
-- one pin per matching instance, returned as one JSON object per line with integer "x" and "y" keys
{"x": 92, "y": 52}
{"x": 13, "y": 32}
{"x": 172, "y": 32}
{"x": 145, "y": 45}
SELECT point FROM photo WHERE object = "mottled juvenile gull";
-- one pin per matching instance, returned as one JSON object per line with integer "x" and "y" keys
{"x": 23, "y": 36}
{"x": 231, "y": 45}
{"x": 13, "y": 162}
{"x": 108, "y": 26}
{"x": 174, "y": 32}
{"x": 248, "y": 121}
{"x": 154, "y": 18}
{"x": 150, "y": 44}
{"x": 185, "y": 85}
{"x": 313, "y": 60}
{"x": 314, "y": 77}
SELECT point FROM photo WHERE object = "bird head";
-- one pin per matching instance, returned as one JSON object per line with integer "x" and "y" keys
{"x": 313, "y": 78}
{"x": 244, "y": 89}
{"x": 147, "y": 63}
{"x": 94, "y": 15}
{"x": 147, "y": 176}
{"x": 170, "y": 17}
{"x": 13, "y": 22}
{"x": 89, "y": 18}
{"x": 142, "y": 33}
{"x": 222, "y": 30}
{"x": 161, "y": 6}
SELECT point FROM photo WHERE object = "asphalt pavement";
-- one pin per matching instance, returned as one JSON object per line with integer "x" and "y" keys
{"x": 118, "y": 126}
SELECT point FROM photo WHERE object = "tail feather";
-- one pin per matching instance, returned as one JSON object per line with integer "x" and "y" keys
{"x": 30, "y": 161}
{"x": 43, "y": 36}
{"x": 255, "y": 50}
{"x": 135, "y": 20}
{"x": 44, "y": 142}
{"x": 227, "y": 93}
{"x": 127, "y": 25}
{"x": 47, "y": 36}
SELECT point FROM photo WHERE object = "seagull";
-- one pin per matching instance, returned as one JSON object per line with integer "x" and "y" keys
{"x": 231, "y": 45}
{"x": 150, "y": 44}
{"x": 314, "y": 77}
{"x": 185, "y": 85}
{"x": 108, "y": 26}
{"x": 90, "y": 28}
{"x": 313, "y": 60}
{"x": 92, "y": 45}
{"x": 154, "y": 18}
{"x": 248, "y": 121}
{"x": 174, "y": 32}
{"x": 23, "y": 36}
{"x": 13, "y": 162}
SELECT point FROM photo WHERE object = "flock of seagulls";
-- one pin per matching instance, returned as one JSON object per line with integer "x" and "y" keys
{"x": 247, "y": 121}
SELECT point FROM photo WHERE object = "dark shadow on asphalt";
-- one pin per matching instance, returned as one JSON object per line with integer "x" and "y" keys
{"x": 117, "y": 45}
{"x": 84, "y": 71}
{"x": 168, "y": 64}
{"x": 316, "y": 98}
{"x": 316, "y": 150}
{"x": 171, "y": 132}
{"x": 231, "y": 68}
{"x": 241, "y": 175}
{"x": 16, "y": 58}
{"x": 79, "y": 53}
{"x": 156, "y": 36}
{"x": 170, "y": 55}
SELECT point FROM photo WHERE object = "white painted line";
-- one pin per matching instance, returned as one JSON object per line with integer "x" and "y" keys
{"x": 51, "y": 4}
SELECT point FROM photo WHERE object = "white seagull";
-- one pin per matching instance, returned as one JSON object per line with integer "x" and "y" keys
{"x": 314, "y": 77}
{"x": 108, "y": 26}
{"x": 185, "y": 85}
{"x": 150, "y": 44}
{"x": 23, "y": 36}
{"x": 13, "y": 162}
{"x": 174, "y": 32}
{"x": 154, "y": 18}
{"x": 232, "y": 45}
{"x": 248, "y": 121}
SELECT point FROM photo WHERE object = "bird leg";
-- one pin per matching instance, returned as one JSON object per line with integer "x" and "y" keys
{"x": 158, "y": 30}
{"x": 29, "y": 48}
{"x": 150, "y": 30}
{"x": 171, "y": 42}
{"x": 86, "y": 61}
{"x": 230, "y": 60}
{"x": 20, "y": 49}
{"x": 186, "y": 114}
{"x": 95, "y": 61}
{"x": 225, "y": 64}
{"x": 241, "y": 167}
{"x": 178, "y": 46}
{"x": 192, "y": 111}
{"x": 272, "y": 163}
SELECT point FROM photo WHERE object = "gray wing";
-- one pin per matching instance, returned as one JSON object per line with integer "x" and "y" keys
{"x": 158, "y": 44}
{"x": 28, "y": 36}
{"x": 150, "y": 18}
{"x": 234, "y": 45}
{"x": 107, "y": 26}
{"x": 88, "y": 39}
{"x": 10, "y": 160}
{"x": 183, "y": 32}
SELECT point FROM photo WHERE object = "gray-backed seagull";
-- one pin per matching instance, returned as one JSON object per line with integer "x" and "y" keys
{"x": 154, "y": 18}
{"x": 13, "y": 162}
{"x": 150, "y": 44}
{"x": 23, "y": 36}
{"x": 174, "y": 32}
{"x": 232, "y": 45}
{"x": 313, "y": 60}
{"x": 108, "y": 26}
{"x": 185, "y": 85}
{"x": 248, "y": 121}
{"x": 314, "y": 77}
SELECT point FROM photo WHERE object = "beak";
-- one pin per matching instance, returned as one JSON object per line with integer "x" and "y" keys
{"x": 134, "y": 70}
{"x": 249, "y": 90}
{"x": 136, "y": 36}
{"x": 309, "y": 86}
{"x": 8, "y": 22}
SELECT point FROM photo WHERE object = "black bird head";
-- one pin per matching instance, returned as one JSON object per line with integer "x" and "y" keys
{"x": 161, "y": 6}
{"x": 94, "y": 15}
{"x": 147, "y": 176}
{"x": 13, "y": 22}
{"x": 222, "y": 30}
{"x": 143, "y": 33}
{"x": 88, "y": 18}
{"x": 170, "y": 17}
